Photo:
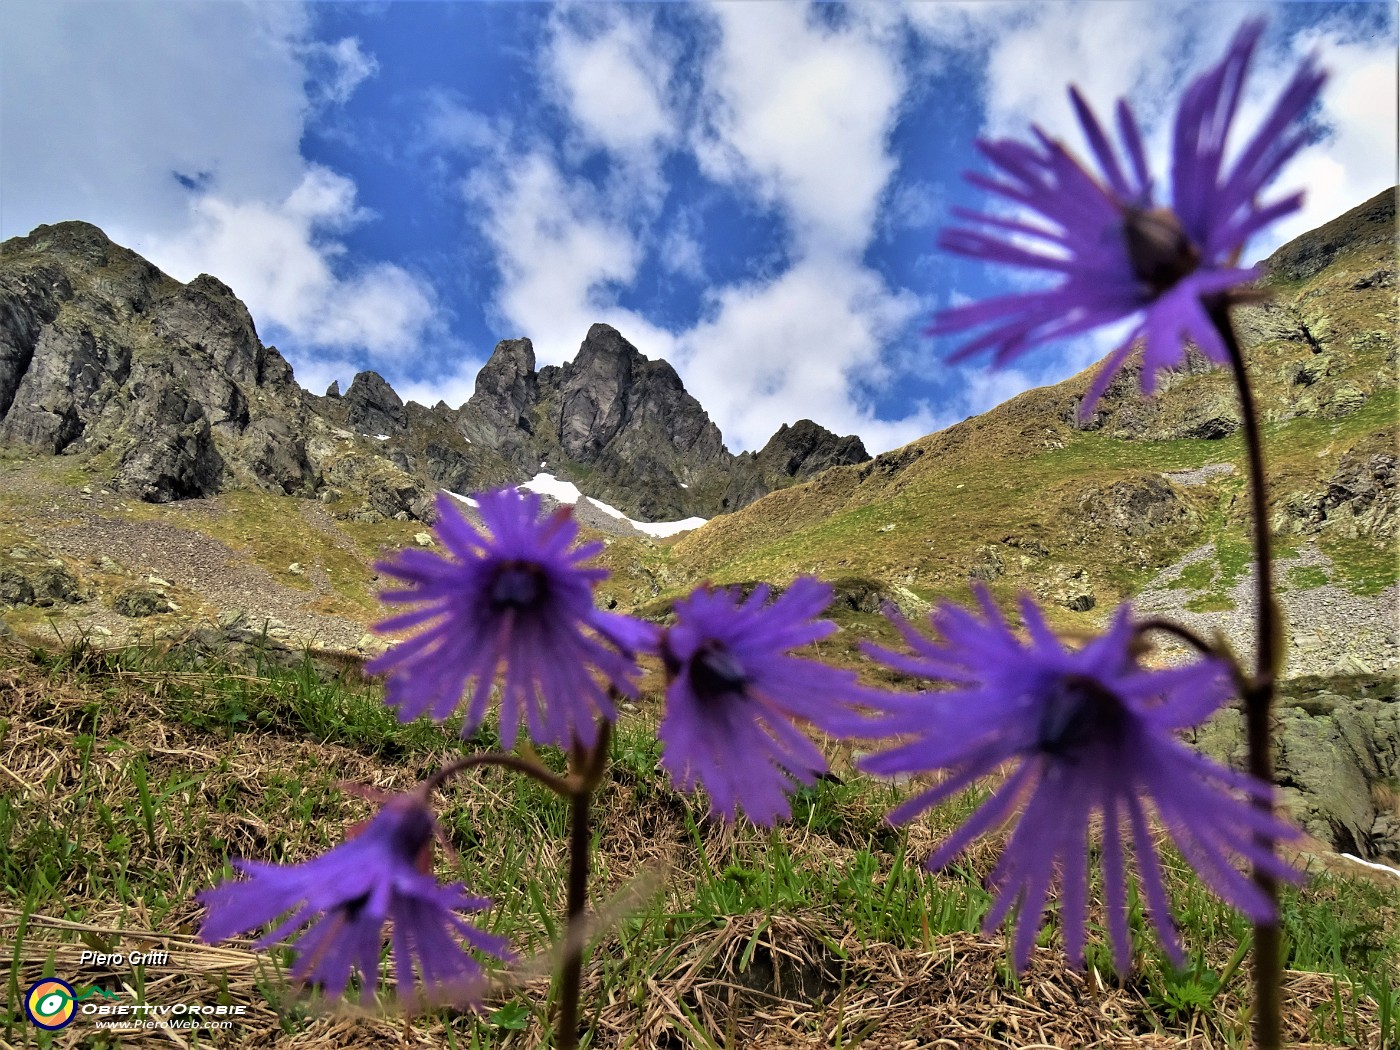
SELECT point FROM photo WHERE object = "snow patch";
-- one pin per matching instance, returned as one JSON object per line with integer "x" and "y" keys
{"x": 464, "y": 499}
{"x": 568, "y": 492}
{"x": 549, "y": 485}
{"x": 1373, "y": 865}
{"x": 668, "y": 528}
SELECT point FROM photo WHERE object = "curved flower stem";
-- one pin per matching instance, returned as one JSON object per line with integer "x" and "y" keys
{"x": 555, "y": 783}
{"x": 1243, "y": 681}
{"x": 1259, "y": 695}
{"x": 1185, "y": 634}
{"x": 586, "y": 768}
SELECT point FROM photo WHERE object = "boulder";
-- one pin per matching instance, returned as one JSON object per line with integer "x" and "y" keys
{"x": 171, "y": 453}
{"x": 275, "y": 455}
{"x": 859, "y": 594}
{"x": 1134, "y": 507}
{"x": 15, "y": 588}
{"x": 1075, "y": 592}
{"x": 1335, "y": 754}
{"x": 1360, "y": 499}
{"x": 138, "y": 602}
{"x": 55, "y": 585}
{"x": 988, "y": 563}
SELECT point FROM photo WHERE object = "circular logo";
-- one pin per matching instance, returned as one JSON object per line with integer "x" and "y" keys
{"x": 49, "y": 1004}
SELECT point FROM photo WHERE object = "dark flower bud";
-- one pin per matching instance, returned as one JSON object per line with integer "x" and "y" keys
{"x": 1158, "y": 248}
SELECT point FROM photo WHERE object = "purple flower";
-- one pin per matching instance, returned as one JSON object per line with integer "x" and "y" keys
{"x": 518, "y": 598}
{"x": 733, "y": 692}
{"x": 347, "y": 895}
{"x": 1090, "y": 732}
{"x": 1117, "y": 252}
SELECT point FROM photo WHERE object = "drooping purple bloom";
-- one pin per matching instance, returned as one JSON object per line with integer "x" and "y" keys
{"x": 1118, "y": 253}
{"x": 734, "y": 691}
{"x": 518, "y": 600}
{"x": 347, "y": 895}
{"x": 1091, "y": 732}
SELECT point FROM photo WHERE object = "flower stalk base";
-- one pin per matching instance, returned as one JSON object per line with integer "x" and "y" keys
{"x": 1258, "y": 697}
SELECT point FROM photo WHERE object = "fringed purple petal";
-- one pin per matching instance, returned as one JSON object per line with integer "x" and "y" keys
{"x": 516, "y": 600}
{"x": 347, "y": 895}
{"x": 1077, "y": 226}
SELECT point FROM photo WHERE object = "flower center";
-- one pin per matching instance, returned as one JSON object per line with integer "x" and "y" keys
{"x": 412, "y": 830}
{"x": 517, "y": 585}
{"x": 714, "y": 672}
{"x": 1078, "y": 713}
{"x": 351, "y": 909}
{"x": 1158, "y": 248}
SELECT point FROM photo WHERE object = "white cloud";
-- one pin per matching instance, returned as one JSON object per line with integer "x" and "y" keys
{"x": 1355, "y": 159}
{"x": 563, "y": 246}
{"x": 799, "y": 346}
{"x": 337, "y": 69}
{"x": 559, "y": 254}
{"x": 795, "y": 114}
{"x": 1107, "y": 49}
{"x": 681, "y": 249}
{"x": 316, "y": 374}
{"x": 450, "y": 125}
{"x": 177, "y": 129}
{"x": 610, "y": 70}
{"x": 917, "y": 205}
{"x": 276, "y": 258}
{"x": 799, "y": 114}
{"x": 454, "y": 388}
{"x": 101, "y": 105}
{"x": 1112, "y": 49}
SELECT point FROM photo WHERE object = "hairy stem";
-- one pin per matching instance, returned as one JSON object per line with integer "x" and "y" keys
{"x": 1259, "y": 695}
{"x": 586, "y": 770}
{"x": 1182, "y": 633}
{"x": 555, "y": 783}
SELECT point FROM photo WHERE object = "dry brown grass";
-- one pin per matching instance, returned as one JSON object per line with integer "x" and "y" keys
{"x": 794, "y": 979}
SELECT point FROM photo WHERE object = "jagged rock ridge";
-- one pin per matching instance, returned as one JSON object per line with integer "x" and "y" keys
{"x": 170, "y": 386}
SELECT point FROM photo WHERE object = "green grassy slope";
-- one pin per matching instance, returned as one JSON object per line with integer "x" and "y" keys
{"x": 1022, "y": 485}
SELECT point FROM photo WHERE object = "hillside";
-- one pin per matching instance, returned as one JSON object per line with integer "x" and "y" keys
{"x": 1024, "y": 496}
{"x": 1145, "y": 500}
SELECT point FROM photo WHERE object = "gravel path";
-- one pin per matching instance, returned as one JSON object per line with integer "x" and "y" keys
{"x": 204, "y": 576}
{"x": 1200, "y": 475}
{"x": 1330, "y": 630}
{"x": 220, "y": 576}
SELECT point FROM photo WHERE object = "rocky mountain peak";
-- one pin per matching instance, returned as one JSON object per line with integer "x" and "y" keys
{"x": 1372, "y": 222}
{"x": 101, "y": 352}
{"x": 372, "y": 406}
{"x": 506, "y": 386}
{"x": 807, "y": 448}
{"x": 598, "y": 392}
{"x": 604, "y": 349}
{"x": 72, "y": 239}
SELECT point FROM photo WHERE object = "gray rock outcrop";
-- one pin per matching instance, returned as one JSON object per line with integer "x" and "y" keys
{"x": 1360, "y": 499}
{"x": 372, "y": 407}
{"x": 625, "y": 428}
{"x": 102, "y": 354}
{"x": 1335, "y": 756}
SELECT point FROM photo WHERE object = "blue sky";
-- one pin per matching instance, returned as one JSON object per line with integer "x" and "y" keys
{"x": 751, "y": 190}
